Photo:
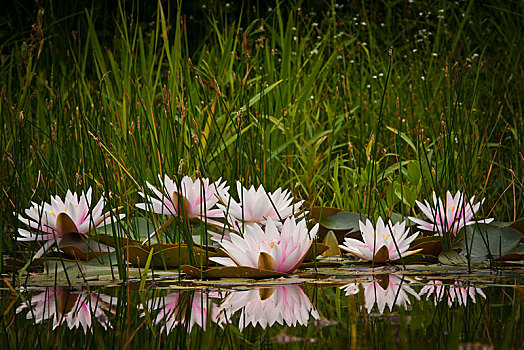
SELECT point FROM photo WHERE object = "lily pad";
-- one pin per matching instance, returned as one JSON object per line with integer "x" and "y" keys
{"x": 451, "y": 257}
{"x": 518, "y": 225}
{"x": 344, "y": 220}
{"x": 420, "y": 258}
{"x": 515, "y": 254}
{"x": 485, "y": 239}
{"x": 76, "y": 246}
{"x": 229, "y": 271}
{"x": 430, "y": 245}
{"x": 399, "y": 218}
{"x": 166, "y": 255}
{"x": 112, "y": 240}
{"x": 318, "y": 213}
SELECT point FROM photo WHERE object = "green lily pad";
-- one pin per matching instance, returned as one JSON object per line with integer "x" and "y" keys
{"x": 518, "y": 225}
{"x": 485, "y": 239}
{"x": 430, "y": 245}
{"x": 515, "y": 254}
{"x": 76, "y": 246}
{"x": 230, "y": 271}
{"x": 451, "y": 257}
{"x": 318, "y": 213}
{"x": 420, "y": 258}
{"x": 344, "y": 220}
{"x": 111, "y": 240}
{"x": 399, "y": 218}
{"x": 166, "y": 255}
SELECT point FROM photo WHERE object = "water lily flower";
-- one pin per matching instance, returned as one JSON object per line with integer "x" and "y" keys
{"x": 451, "y": 217}
{"x": 256, "y": 206}
{"x": 76, "y": 309}
{"x": 385, "y": 243}
{"x": 397, "y": 292}
{"x": 286, "y": 305}
{"x": 456, "y": 292}
{"x": 193, "y": 200}
{"x": 73, "y": 214}
{"x": 269, "y": 249}
{"x": 173, "y": 310}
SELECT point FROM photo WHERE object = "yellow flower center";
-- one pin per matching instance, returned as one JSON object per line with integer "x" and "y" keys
{"x": 272, "y": 244}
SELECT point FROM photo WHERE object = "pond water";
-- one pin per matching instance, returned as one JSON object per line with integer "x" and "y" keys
{"x": 381, "y": 310}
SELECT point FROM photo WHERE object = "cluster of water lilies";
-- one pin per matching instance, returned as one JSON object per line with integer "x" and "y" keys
{"x": 261, "y": 230}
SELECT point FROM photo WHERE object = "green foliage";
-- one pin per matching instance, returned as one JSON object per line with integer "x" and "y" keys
{"x": 109, "y": 97}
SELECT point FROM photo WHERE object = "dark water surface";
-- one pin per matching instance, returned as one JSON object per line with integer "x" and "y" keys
{"x": 374, "y": 311}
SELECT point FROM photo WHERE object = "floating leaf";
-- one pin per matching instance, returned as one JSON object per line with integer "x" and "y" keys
{"x": 515, "y": 254}
{"x": 344, "y": 220}
{"x": 431, "y": 245}
{"x": 228, "y": 271}
{"x": 77, "y": 246}
{"x": 318, "y": 213}
{"x": 112, "y": 240}
{"x": 451, "y": 257}
{"x": 420, "y": 258}
{"x": 399, "y": 218}
{"x": 136, "y": 255}
{"x": 166, "y": 255}
{"x": 485, "y": 239}
{"x": 518, "y": 225}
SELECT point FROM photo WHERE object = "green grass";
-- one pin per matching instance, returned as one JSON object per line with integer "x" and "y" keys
{"x": 284, "y": 97}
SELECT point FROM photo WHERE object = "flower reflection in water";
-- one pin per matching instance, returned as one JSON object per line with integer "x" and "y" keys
{"x": 384, "y": 290}
{"x": 70, "y": 307}
{"x": 456, "y": 292}
{"x": 286, "y": 305}
{"x": 184, "y": 308}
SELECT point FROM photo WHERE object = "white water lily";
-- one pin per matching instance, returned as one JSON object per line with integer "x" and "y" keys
{"x": 284, "y": 304}
{"x": 74, "y": 214}
{"x": 256, "y": 206}
{"x": 195, "y": 199}
{"x": 383, "y": 243}
{"x": 274, "y": 249}
{"x": 450, "y": 216}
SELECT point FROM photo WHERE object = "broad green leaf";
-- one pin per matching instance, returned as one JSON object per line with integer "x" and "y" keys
{"x": 343, "y": 221}
{"x": 396, "y": 218}
{"x": 431, "y": 245}
{"x": 451, "y": 257}
{"x": 518, "y": 225}
{"x": 323, "y": 212}
{"x": 485, "y": 239}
